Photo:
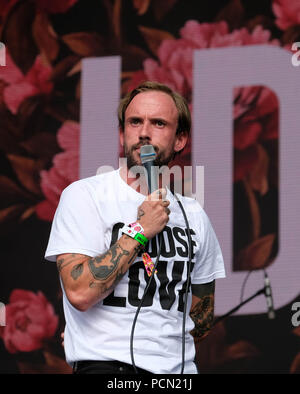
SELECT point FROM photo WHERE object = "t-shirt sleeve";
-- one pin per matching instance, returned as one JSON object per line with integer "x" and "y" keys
{"x": 76, "y": 227}
{"x": 209, "y": 263}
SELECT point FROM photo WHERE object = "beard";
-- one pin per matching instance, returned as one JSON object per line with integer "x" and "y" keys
{"x": 161, "y": 158}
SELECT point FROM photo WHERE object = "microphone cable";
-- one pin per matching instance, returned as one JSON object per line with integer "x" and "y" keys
{"x": 186, "y": 290}
{"x": 187, "y": 281}
{"x": 141, "y": 303}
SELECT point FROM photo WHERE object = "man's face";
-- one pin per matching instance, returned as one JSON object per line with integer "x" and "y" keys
{"x": 151, "y": 118}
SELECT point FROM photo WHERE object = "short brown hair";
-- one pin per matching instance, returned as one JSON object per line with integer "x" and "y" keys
{"x": 184, "y": 115}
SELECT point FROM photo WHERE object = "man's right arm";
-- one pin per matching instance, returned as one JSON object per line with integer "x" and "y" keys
{"x": 88, "y": 280}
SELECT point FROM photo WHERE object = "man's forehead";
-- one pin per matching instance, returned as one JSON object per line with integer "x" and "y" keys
{"x": 154, "y": 102}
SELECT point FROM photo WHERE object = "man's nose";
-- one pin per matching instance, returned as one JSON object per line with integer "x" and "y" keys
{"x": 145, "y": 131}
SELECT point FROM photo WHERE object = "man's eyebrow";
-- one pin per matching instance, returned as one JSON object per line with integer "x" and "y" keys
{"x": 159, "y": 119}
{"x": 134, "y": 117}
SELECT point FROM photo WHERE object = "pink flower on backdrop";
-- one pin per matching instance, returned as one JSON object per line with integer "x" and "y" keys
{"x": 64, "y": 171}
{"x": 30, "y": 321}
{"x": 287, "y": 13}
{"x": 20, "y": 86}
{"x": 174, "y": 67}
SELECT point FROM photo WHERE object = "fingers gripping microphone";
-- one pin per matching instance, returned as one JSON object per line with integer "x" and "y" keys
{"x": 269, "y": 298}
{"x": 148, "y": 156}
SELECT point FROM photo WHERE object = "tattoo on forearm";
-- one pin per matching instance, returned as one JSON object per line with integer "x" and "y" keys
{"x": 107, "y": 288}
{"x": 119, "y": 275}
{"x": 137, "y": 249}
{"x": 102, "y": 271}
{"x": 203, "y": 315}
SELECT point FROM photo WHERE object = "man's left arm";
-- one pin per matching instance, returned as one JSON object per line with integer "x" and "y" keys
{"x": 202, "y": 309}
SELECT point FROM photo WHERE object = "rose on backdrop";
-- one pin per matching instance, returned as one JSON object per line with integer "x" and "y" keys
{"x": 255, "y": 109}
{"x": 30, "y": 321}
{"x": 65, "y": 170}
{"x": 287, "y": 13}
{"x": 19, "y": 86}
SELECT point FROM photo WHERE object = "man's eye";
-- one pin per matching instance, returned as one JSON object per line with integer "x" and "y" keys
{"x": 134, "y": 121}
{"x": 160, "y": 123}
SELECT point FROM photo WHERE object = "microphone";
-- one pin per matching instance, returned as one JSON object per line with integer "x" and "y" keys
{"x": 269, "y": 298}
{"x": 148, "y": 156}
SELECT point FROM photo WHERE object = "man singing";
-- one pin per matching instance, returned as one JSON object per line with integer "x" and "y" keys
{"x": 106, "y": 236}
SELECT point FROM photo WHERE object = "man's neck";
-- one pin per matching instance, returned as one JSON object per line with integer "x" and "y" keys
{"x": 138, "y": 180}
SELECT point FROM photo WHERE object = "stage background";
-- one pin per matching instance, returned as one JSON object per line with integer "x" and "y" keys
{"x": 40, "y": 118}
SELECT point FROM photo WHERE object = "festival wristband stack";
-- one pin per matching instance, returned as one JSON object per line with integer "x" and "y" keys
{"x": 135, "y": 231}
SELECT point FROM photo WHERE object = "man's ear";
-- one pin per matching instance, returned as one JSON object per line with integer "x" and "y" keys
{"x": 181, "y": 141}
{"x": 121, "y": 136}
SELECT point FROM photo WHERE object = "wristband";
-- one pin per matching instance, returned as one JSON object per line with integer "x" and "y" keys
{"x": 141, "y": 238}
{"x": 138, "y": 236}
{"x": 137, "y": 227}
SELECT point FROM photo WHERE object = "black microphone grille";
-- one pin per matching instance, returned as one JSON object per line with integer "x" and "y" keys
{"x": 147, "y": 153}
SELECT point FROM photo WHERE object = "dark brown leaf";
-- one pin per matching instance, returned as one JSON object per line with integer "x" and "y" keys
{"x": 17, "y": 35}
{"x": 141, "y": 6}
{"x": 214, "y": 351}
{"x": 61, "y": 69}
{"x": 52, "y": 365}
{"x": 154, "y": 37}
{"x": 291, "y": 35}
{"x": 11, "y": 194}
{"x": 295, "y": 367}
{"x": 30, "y": 115}
{"x": 256, "y": 255}
{"x": 57, "y": 364}
{"x": 27, "y": 171}
{"x": 62, "y": 111}
{"x": 296, "y": 331}
{"x": 41, "y": 145}
{"x": 27, "y": 213}
{"x": 260, "y": 20}
{"x": 254, "y": 210}
{"x": 8, "y": 142}
{"x": 45, "y": 37}
{"x": 116, "y": 20}
{"x": 233, "y": 13}
{"x": 132, "y": 57}
{"x": 84, "y": 43}
{"x": 258, "y": 176}
{"x": 10, "y": 213}
{"x": 161, "y": 8}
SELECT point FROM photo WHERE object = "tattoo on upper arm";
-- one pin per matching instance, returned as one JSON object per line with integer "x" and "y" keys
{"x": 77, "y": 271}
{"x": 63, "y": 262}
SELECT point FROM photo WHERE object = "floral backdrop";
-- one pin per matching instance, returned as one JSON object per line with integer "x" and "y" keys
{"x": 39, "y": 154}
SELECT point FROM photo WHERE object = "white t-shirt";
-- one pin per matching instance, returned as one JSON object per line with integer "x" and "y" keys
{"x": 88, "y": 220}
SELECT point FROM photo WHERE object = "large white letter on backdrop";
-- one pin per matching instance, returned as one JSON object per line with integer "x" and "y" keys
{"x": 216, "y": 73}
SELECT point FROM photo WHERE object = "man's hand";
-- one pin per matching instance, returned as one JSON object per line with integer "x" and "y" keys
{"x": 153, "y": 213}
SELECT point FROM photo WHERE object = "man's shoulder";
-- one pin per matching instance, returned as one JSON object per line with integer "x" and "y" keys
{"x": 90, "y": 183}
